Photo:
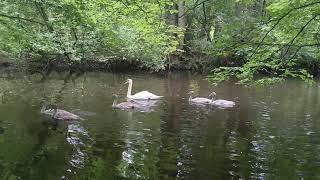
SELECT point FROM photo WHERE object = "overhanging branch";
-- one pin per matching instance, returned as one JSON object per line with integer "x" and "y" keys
{"x": 195, "y": 6}
{"x": 278, "y": 21}
{"x": 292, "y": 45}
{"x": 21, "y": 18}
{"x": 301, "y": 30}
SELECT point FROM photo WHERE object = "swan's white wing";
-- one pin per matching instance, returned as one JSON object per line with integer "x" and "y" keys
{"x": 144, "y": 95}
{"x": 223, "y": 103}
{"x": 201, "y": 100}
{"x": 149, "y": 103}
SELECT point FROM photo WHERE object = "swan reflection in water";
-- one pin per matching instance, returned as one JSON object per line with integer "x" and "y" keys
{"x": 77, "y": 136}
{"x": 135, "y": 105}
{"x": 79, "y": 139}
{"x": 139, "y": 148}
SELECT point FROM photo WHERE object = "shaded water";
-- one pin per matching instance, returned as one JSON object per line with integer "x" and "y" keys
{"x": 271, "y": 133}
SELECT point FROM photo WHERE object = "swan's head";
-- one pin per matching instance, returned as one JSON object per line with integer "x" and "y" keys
{"x": 191, "y": 92}
{"x": 212, "y": 95}
{"x": 47, "y": 106}
{"x": 128, "y": 81}
{"x": 115, "y": 96}
{"x": 50, "y": 108}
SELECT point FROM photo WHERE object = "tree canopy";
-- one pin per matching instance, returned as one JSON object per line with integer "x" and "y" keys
{"x": 276, "y": 38}
{"x": 79, "y": 30}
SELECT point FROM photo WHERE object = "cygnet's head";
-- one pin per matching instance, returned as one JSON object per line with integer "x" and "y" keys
{"x": 212, "y": 95}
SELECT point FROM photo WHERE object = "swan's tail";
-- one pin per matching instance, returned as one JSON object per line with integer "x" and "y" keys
{"x": 155, "y": 98}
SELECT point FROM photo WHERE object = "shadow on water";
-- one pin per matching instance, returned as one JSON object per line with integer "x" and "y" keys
{"x": 271, "y": 132}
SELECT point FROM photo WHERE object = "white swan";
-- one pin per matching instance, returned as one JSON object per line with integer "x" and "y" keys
{"x": 143, "y": 95}
{"x": 59, "y": 114}
{"x": 199, "y": 100}
{"x": 220, "y": 102}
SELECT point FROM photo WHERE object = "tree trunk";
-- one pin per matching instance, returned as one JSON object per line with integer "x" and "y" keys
{"x": 182, "y": 21}
{"x": 171, "y": 19}
{"x": 217, "y": 27}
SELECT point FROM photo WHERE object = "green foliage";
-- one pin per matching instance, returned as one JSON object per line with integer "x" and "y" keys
{"x": 223, "y": 73}
{"x": 281, "y": 43}
{"x": 266, "y": 81}
{"x": 82, "y": 30}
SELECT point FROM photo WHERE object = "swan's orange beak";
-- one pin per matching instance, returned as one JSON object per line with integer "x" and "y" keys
{"x": 126, "y": 82}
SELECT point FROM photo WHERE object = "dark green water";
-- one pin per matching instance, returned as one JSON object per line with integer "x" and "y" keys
{"x": 272, "y": 133}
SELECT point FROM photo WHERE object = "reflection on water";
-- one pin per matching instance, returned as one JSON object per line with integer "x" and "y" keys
{"x": 75, "y": 133}
{"x": 271, "y": 133}
{"x": 79, "y": 140}
{"x": 139, "y": 149}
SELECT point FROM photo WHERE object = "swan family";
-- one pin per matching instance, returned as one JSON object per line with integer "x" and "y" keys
{"x": 143, "y": 101}
{"x": 211, "y": 100}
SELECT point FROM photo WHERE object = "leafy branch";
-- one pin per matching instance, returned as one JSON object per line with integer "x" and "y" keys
{"x": 301, "y": 30}
{"x": 278, "y": 20}
{"x": 197, "y": 3}
{"x": 21, "y": 18}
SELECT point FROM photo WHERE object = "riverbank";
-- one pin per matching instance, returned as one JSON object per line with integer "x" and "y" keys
{"x": 187, "y": 62}
{"x": 217, "y": 69}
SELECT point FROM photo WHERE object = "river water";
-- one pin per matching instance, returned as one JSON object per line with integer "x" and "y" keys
{"x": 271, "y": 133}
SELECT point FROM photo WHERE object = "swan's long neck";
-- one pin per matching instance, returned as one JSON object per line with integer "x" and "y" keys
{"x": 190, "y": 98}
{"x": 43, "y": 109}
{"x": 114, "y": 104}
{"x": 129, "y": 89}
